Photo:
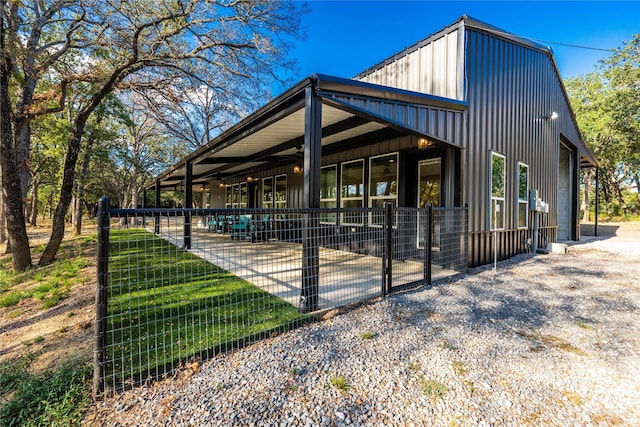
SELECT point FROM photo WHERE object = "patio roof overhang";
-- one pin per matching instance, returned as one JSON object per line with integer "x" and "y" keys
{"x": 271, "y": 135}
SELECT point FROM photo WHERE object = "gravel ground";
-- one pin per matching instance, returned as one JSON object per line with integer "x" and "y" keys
{"x": 544, "y": 340}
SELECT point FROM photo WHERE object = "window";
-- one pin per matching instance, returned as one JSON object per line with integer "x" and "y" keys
{"x": 281, "y": 192}
{"x": 267, "y": 193}
{"x": 228, "y": 196}
{"x": 498, "y": 166}
{"x": 352, "y": 190}
{"x": 328, "y": 192}
{"x": 242, "y": 197}
{"x": 523, "y": 195}
{"x": 383, "y": 183}
{"x": 235, "y": 195}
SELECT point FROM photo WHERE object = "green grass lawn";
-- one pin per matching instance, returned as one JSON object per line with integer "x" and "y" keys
{"x": 166, "y": 305}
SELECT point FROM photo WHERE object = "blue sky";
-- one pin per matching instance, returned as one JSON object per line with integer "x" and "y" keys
{"x": 346, "y": 37}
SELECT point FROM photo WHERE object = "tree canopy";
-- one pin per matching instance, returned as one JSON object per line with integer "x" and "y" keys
{"x": 607, "y": 106}
{"x": 92, "y": 48}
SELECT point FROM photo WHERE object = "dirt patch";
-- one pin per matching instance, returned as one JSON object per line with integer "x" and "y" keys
{"x": 56, "y": 334}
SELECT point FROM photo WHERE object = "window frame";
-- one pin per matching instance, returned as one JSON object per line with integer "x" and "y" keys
{"x": 243, "y": 195}
{"x": 372, "y": 198}
{"x": 228, "y": 196}
{"x": 497, "y": 199}
{"x": 329, "y": 218}
{"x": 523, "y": 200}
{"x": 267, "y": 203}
{"x": 280, "y": 204}
{"x": 235, "y": 195}
{"x": 344, "y": 198}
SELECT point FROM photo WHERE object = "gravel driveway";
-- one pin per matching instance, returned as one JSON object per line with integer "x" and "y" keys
{"x": 544, "y": 340}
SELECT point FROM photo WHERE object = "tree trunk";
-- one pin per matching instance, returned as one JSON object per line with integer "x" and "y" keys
{"x": 16, "y": 226}
{"x": 636, "y": 180}
{"x": 66, "y": 190}
{"x": 3, "y": 230}
{"x": 74, "y": 203}
{"x": 84, "y": 171}
{"x": 34, "y": 202}
{"x": 620, "y": 198}
{"x": 588, "y": 182}
{"x": 23, "y": 143}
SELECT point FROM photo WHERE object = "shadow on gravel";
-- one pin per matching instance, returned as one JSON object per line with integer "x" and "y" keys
{"x": 517, "y": 300}
{"x": 604, "y": 231}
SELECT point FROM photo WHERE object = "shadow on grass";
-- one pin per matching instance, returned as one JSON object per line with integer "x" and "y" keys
{"x": 166, "y": 306}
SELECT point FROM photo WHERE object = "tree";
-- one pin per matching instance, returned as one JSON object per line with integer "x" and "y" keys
{"x": 99, "y": 132}
{"x": 134, "y": 44}
{"x": 141, "y": 151}
{"x": 13, "y": 211}
{"x": 607, "y": 106}
{"x": 622, "y": 71}
{"x": 193, "y": 113}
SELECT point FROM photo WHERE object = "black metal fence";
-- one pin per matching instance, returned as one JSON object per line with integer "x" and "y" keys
{"x": 181, "y": 284}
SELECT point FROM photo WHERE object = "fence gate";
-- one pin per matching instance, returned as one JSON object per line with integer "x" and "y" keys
{"x": 424, "y": 244}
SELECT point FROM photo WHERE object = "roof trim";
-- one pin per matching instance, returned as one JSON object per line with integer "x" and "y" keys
{"x": 470, "y": 22}
{"x": 371, "y": 90}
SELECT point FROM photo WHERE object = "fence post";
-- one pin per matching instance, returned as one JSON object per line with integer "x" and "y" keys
{"x": 428, "y": 244}
{"x": 156, "y": 219}
{"x": 100, "y": 325}
{"x": 310, "y": 261}
{"x": 388, "y": 249}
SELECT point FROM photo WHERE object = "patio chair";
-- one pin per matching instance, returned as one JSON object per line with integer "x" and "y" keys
{"x": 240, "y": 228}
{"x": 259, "y": 227}
{"x": 218, "y": 224}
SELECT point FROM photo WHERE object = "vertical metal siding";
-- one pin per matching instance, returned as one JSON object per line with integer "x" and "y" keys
{"x": 443, "y": 124}
{"x": 511, "y": 88}
{"x": 435, "y": 68}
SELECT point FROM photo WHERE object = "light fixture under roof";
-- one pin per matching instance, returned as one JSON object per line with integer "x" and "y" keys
{"x": 424, "y": 143}
{"x": 297, "y": 167}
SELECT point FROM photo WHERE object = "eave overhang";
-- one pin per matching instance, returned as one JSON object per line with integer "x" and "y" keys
{"x": 271, "y": 135}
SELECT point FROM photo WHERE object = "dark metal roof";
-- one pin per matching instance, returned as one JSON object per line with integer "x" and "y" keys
{"x": 354, "y": 87}
{"x": 272, "y": 133}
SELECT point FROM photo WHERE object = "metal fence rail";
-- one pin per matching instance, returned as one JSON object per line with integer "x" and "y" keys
{"x": 178, "y": 284}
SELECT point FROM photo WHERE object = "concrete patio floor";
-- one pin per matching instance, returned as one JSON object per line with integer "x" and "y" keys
{"x": 276, "y": 267}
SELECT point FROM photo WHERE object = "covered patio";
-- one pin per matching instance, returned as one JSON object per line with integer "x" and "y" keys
{"x": 277, "y": 267}
{"x": 321, "y": 121}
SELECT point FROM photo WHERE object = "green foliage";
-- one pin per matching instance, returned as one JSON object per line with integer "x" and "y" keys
{"x": 432, "y": 388}
{"x": 50, "y": 284}
{"x": 368, "y": 335}
{"x": 11, "y": 298}
{"x": 55, "y": 398}
{"x": 607, "y": 107}
{"x": 497, "y": 175}
{"x": 341, "y": 383}
{"x": 154, "y": 284}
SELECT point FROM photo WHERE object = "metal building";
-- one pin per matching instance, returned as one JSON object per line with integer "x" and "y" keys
{"x": 471, "y": 115}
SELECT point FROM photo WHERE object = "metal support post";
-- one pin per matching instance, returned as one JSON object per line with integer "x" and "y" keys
{"x": 311, "y": 197}
{"x": 188, "y": 202}
{"x": 156, "y": 226}
{"x": 100, "y": 325}
{"x": 597, "y": 199}
{"x": 387, "y": 266}
{"x": 428, "y": 244}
